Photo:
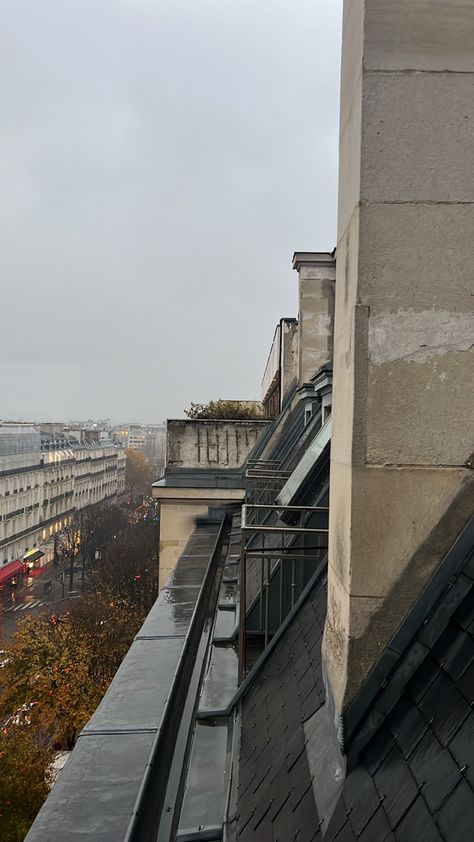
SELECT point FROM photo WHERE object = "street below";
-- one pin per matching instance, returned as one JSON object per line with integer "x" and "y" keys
{"x": 48, "y": 589}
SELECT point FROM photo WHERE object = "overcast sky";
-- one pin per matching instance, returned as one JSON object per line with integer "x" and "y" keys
{"x": 160, "y": 161}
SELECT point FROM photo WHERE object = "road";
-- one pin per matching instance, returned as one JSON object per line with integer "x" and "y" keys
{"x": 30, "y": 596}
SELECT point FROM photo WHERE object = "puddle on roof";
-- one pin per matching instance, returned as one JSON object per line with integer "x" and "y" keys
{"x": 203, "y": 802}
{"x": 220, "y": 682}
{"x": 225, "y": 624}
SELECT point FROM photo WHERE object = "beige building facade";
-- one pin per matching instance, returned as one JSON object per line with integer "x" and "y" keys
{"x": 205, "y": 465}
{"x": 41, "y": 489}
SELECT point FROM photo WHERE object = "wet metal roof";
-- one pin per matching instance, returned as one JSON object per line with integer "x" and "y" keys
{"x": 96, "y": 793}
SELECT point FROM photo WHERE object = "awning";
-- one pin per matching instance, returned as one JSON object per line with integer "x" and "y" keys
{"x": 33, "y": 555}
{"x": 11, "y": 569}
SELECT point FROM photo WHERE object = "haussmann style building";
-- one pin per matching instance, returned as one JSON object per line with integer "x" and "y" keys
{"x": 44, "y": 479}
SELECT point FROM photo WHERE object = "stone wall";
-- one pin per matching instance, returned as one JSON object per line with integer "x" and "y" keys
{"x": 403, "y": 409}
{"x": 210, "y": 444}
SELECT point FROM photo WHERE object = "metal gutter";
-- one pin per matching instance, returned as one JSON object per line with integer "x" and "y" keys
{"x": 146, "y": 815}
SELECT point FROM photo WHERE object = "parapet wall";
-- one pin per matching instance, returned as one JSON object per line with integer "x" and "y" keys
{"x": 211, "y": 444}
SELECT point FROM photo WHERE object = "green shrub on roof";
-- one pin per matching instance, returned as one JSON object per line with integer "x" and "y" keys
{"x": 222, "y": 410}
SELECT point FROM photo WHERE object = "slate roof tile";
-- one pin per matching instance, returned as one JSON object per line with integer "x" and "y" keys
{"x": 306, "y": 817}
{"x": 444, "y": 708}
{"x": 346, "y": 834}
{"x": 299, "y": 778}
{"x": 377, "y": 829}
{"x": 311, "y": 704}
{"x": 395, "y": 785}
{"x": 464, "y": 615}
{"x": 423, "y": 679}
{"x": 246, "y": 811}
{"x": 455, "y": 820}
{"x": 407, "y": 725}
{"x": 264, "y": 804}
{"x": 245, "y": 833}
{"x": 462, "y": 749}
{"x": 338, "y": 819}
{"x": 361, "y": 798}
{"x": 457, "y": 652}
{"x": 418, "y": 825}
{"x": 466, "y": 684}
{"x": 434, "y": 770}
{"x": 265, "y": 830}
{"x": 378, "y": 748}
{"x": 284, "y": 825}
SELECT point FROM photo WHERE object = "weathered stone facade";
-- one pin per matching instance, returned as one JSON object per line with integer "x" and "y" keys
{"x": 210, "y": 444}
{"x": 401, "y": 474}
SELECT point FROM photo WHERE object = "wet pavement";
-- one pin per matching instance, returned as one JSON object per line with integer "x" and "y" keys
{"x": 31, "y": 595}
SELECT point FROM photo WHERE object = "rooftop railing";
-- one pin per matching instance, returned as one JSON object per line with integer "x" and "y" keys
{"x": 279, "y": 551}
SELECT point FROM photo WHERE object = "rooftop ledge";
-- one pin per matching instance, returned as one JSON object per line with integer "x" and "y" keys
{"x": 313, "y": 258}
{"x": 257, "y": 420}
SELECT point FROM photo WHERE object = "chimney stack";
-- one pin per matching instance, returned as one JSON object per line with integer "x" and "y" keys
{"x": 316, "y": 282}
{"x": 403, "y": 409}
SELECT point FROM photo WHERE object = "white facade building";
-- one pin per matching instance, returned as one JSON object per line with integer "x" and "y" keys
{"x": 40, "y": 489}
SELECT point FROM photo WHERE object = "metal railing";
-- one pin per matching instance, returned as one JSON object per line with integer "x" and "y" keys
{"x": 264, "y": 479}
{"x": 279, "y": 550}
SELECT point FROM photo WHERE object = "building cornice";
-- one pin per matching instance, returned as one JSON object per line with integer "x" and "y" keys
{"x": 313, "y": 258}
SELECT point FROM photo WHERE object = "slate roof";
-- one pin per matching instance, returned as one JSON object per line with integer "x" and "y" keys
{"x": 413, "y": 778}
{"x": 275, "y": 799}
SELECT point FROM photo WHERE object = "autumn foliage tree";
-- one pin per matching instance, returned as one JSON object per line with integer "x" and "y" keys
{"x": 60, "y": 663}
{"x": 64, "y": 661}
{"x": 24, "y": 783}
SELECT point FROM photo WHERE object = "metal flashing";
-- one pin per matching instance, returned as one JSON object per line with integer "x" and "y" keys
{"x": 427, "y": 619}
{"x": 200, "y": 834}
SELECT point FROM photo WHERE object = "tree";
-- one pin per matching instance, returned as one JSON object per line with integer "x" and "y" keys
{"x": 129, "y": 567}
{"x": 24, "y": 780}
{"x": 64, "y": 663}
{"x": 98, "y": 526}
{"x": 138, "y": 474}
{"x": 69, "y": 544}
{"x": 58, "y": 666}
{"x": 49, "y": 665}
{"x": 223, "y": 410}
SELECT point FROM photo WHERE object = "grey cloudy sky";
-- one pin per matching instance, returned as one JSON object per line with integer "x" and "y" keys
{"x": 160, "y": 161}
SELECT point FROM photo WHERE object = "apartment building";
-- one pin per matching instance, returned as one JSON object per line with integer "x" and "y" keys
{"x": 43, "y": 481}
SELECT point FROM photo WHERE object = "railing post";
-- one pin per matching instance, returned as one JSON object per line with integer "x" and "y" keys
{"x": 293, "y": 582}
{"x": 242, "y": 612}
{"x": 266, "y": 562}
{"x": 281, "y": 585}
